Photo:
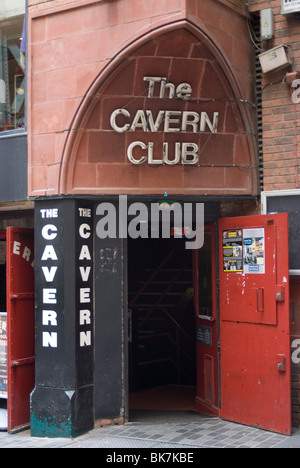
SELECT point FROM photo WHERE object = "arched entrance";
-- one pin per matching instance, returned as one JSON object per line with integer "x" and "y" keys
{"x": 166, "y": 114}
{"x": 166, "y": 117}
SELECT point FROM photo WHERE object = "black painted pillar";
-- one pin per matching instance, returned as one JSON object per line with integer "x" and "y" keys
{"x": 62, "y": 401}
{"x": 111, "y": 379}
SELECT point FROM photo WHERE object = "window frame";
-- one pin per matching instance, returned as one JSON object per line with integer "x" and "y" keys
{"x": 15, "y": 132}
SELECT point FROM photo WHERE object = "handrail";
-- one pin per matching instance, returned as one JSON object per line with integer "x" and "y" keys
{"x": 175, "y": 341}
{"x": 151, "y": 277}
{"x": 152, "y": 309}
{"x": 170, "y": 285}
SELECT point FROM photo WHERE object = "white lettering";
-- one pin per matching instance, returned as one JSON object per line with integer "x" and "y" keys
{"x": 152, "y": 80}
{"x": 166, "y": 86}
{"x": 296, "y": 353}
{"x": 139, "y": 121}
{"x": 85, "y": 295}
{"x": 167, "y": 121}
{"x": 166, "y": 154}
{"x": 151, "y": 159}
{"x": 174, "y": 121}
{"x": 49, "y": 213}
{"x": 27, "y": 254}
{"x": 113, "y": 122}
{"x": 49, "y": 296}
{"x": 85, "y": 338}
{"x": 131, "y": 148}
{"x": 186, "y": 152}
{"x": 16, "y": 248}
{"x": 85, "y": 317}
{"x": 49, "y": 339}
{"x": 85, "y": 231}
{"x": 49, "y": 273}
{"x": 190, "y": 149}
{"x": 190, "y": 119}
{"x": 49, "y": 317}
{"x": 85, "y": 273}
{"x": 85, "y": 212}
{"x": 184, "y": 91}
{"x": 295, "y": 94}
{"x": 85, "y": 253}
{"x": 154, "y": 126}
{"x": 49, "y": 232}
{"x": 49, "y": 253}
{"x": 212, "y": 125}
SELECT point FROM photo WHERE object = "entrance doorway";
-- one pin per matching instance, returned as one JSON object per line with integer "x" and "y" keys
{"x": 163, "y": 303}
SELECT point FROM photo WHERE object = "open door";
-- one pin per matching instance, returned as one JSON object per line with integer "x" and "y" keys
{"x": 254, "y": 321}
{"x": 20, "y": 325}
{"x": 205, "y": 298}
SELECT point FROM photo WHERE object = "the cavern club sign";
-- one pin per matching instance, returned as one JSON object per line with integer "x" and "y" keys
{"x": 175, "y": 122}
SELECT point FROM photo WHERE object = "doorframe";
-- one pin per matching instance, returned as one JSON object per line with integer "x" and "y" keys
{"x": 126, "y": 255}
{"x": 212, "y": 228}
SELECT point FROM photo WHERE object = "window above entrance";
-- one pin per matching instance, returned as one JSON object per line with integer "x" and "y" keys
{"x": 12, "y": 64}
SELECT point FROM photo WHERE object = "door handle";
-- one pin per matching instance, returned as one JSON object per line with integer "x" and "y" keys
{"x": 281, "y": 362}
{"x": 260, "y": 307}
{"x": 280, "y": 296}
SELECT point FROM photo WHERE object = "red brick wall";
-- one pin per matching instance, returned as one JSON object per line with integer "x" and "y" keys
{"x": 281, "y": 146}
{"x": 280, "y": 127}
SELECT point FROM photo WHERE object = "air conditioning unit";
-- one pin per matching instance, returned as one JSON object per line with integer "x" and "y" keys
{"x": 290, "y": 6}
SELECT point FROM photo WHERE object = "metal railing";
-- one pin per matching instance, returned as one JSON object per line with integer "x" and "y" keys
{"x": 175, "y": 339}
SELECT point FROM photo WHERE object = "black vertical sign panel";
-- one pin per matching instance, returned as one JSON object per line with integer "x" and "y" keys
{"x": 62, "y": 402}
{"x": 52, "y": 347}
{"x": 84, "y": 293}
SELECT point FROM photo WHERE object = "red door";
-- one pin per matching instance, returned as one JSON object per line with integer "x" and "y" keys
{"x": 205, "y": 297}
{"x": 20, "y": 325}
{"x": 254, "y": 321}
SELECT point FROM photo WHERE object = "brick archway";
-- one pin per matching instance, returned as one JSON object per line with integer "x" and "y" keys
{"x": 96, "y": 161}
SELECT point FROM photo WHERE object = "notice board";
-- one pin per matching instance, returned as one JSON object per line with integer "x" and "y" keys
{"x": 287, "y": 201}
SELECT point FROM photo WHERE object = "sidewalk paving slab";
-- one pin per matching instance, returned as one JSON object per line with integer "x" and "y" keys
{"x": 192, "y": 432}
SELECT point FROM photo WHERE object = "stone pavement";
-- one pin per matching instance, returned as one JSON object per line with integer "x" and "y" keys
{"x": 179, "y": 432}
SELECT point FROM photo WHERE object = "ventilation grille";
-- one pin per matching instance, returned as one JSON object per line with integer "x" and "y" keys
{"x": 258, "y": 83}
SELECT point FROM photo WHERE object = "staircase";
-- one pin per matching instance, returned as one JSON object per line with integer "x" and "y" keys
{"x": 162, "y": 322}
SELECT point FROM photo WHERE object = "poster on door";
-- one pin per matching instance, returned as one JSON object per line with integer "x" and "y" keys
{"x": 254, "y": 251}
{"x": 232, "y": 251}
